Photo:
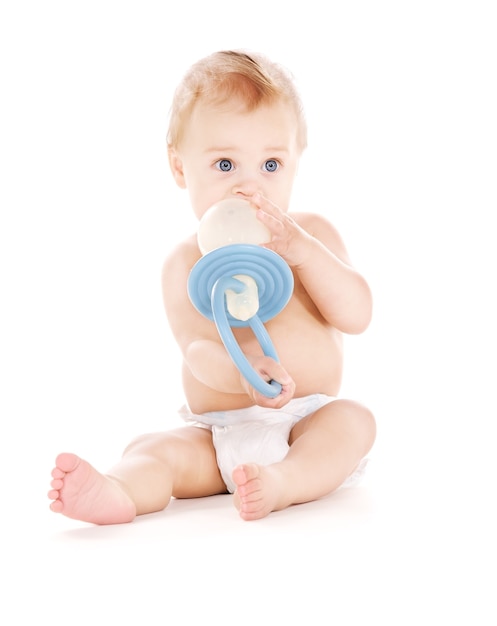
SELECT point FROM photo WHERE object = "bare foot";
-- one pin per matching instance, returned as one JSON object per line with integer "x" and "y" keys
{"x": 82, "y": 493}
{"x": 259, "y": 490}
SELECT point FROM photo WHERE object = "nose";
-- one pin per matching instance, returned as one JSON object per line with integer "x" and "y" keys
{"x": 245, "y": 188}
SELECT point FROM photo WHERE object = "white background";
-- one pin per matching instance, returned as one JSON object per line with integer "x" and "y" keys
{"x": 400, "y": 100}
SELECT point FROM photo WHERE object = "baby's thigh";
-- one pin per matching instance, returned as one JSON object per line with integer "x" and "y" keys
{"x": 189, "y": 454}
{"x": 197, "y": 472}
{"x": 337, "y": 417}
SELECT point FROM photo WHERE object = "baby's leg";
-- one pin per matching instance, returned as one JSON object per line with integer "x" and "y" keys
{"x": 325, "y": 448}
{"x": 153, "y": 468}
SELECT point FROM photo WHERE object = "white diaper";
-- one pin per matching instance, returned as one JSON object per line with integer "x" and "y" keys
{"x": 255, "y": 434}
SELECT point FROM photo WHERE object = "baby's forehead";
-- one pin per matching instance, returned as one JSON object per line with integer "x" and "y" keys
{"x": 209, "y": 115}
{"x": 238, "y": 104}
{"x": 221, "y": 128}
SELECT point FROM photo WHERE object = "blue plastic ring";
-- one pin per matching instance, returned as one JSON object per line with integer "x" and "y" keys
{"x": 214, "y": 273}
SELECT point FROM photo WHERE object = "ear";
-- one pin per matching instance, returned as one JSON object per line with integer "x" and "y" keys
{"x": 176, "y": 165}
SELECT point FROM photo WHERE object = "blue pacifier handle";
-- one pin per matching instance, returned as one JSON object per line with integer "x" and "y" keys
{"x": 215, "y": 272}
{"x": 271, "y": 389}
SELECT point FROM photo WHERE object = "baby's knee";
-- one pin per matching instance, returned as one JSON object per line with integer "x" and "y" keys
{"x": 360, "y": 419}
{"x": 148, "y": 444}
{"x": 170, "y": 444}
{"x": 139, "y": 442}
{"x": 365, "y": 422}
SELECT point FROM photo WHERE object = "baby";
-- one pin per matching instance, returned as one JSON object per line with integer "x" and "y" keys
{"x": 237, "y": 130}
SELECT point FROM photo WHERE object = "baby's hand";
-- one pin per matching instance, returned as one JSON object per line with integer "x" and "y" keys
{"x": 288, "y": 239}
{"x": 269, "y": 369}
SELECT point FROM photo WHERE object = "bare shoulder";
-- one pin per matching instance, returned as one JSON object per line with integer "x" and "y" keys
{"x": 322, "y": 229}
{"x": 176, "y": 268}
{"x": 313, "y": 223}
{"x": 182, "y": 317}
{"x": 181, "y": 258}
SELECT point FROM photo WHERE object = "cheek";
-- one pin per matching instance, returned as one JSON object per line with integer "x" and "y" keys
{"x": 201, "y": 199}
{"x": 285, "y": 190}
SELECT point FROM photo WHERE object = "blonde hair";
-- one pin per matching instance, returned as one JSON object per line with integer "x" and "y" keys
{"x": 250, "y": 78}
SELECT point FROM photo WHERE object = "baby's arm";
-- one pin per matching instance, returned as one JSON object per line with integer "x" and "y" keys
{"x": 210, "y": 363}
{"x": 315, "y": 251}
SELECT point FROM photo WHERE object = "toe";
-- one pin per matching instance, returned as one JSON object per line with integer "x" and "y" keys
{"x": 243, "y": 474}
{"x": 56, "y": 506}
{"x": 67, "y": 462}
{"x": 58, "y": 473}
{"x": 251, "y": 471}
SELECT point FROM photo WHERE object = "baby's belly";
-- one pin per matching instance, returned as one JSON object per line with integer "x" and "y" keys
{"x": 311, "y": 354}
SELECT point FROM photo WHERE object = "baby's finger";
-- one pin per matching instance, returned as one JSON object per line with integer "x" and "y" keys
{"x": 263, "y": 203}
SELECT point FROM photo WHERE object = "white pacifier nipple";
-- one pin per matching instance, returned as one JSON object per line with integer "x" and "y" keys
{"x": 243, "y": 305}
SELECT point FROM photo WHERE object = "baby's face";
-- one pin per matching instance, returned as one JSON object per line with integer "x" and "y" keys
{"x": 228, "y": 152}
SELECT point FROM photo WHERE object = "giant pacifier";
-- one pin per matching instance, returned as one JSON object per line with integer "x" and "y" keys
{"x": 238, "y": 282}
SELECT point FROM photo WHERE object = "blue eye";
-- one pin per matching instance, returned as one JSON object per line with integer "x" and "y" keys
{"x": 271, "y": 165}
{"x": 225, "y": 165}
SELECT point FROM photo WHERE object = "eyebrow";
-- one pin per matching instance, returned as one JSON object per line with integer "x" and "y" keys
{"x": 271, "y": 149}
{"x": 219, "y": 149}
